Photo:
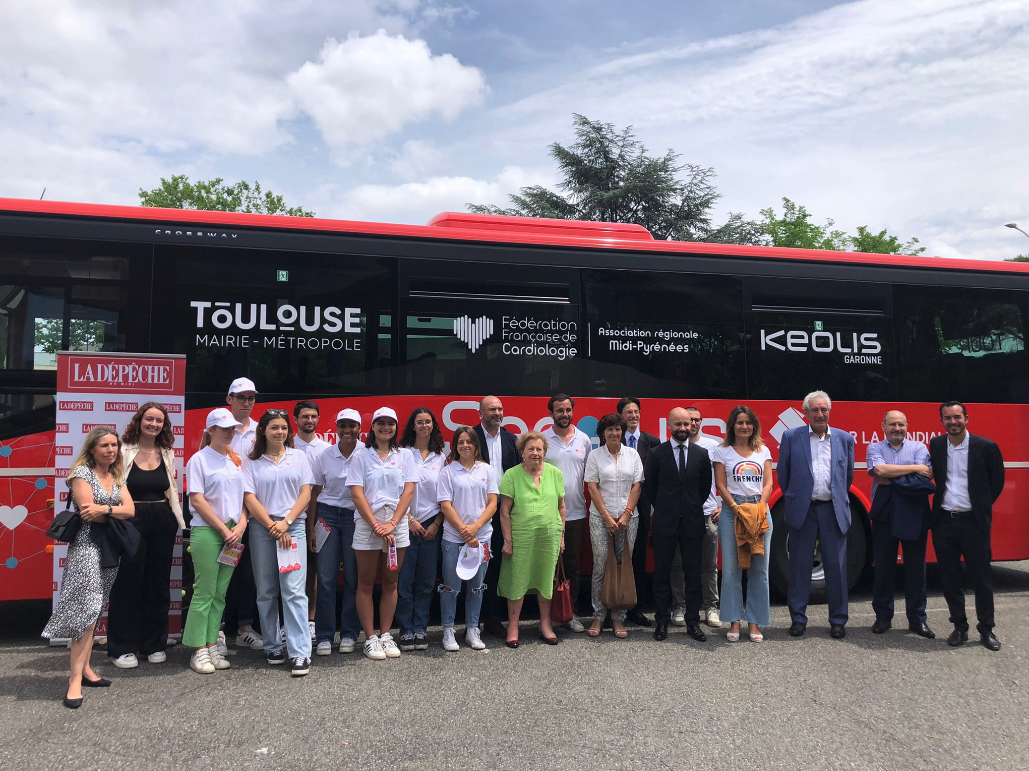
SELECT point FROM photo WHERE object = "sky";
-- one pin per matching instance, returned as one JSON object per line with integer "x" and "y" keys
{"x": 911, "y": 115}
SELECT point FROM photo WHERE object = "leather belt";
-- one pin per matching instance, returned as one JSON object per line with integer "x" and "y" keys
{"x": 958, "y": 514}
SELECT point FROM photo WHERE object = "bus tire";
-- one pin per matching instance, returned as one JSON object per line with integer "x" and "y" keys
{"x": 858, "y": 555}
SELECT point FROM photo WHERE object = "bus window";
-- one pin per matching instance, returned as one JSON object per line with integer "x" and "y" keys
{"x": 664, "y": 334}
{"x": 961, "y": 343}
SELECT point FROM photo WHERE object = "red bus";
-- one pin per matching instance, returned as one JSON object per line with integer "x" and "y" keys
{"x": 364, "y": 314}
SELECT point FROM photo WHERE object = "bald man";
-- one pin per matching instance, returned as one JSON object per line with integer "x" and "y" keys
{"x": 902, "y": 474}
{"x": 678, "y": 481}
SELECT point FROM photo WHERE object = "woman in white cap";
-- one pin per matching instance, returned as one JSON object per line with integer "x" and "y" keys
{"x": 381, "y": 479}
{"x": 335, "y": 511}
{"x": 219, "y": 519}
{"x": 467, "y": 493}
{"x": 278, "y": 489}
{"x": 424, "y": 440}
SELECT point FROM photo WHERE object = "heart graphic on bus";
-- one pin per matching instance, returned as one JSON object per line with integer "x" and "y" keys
{"x": 473, "y": 332}
{"x": 12, "y": 517}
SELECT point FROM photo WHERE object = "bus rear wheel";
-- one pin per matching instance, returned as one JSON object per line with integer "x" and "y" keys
{"x": 858, "y": 555}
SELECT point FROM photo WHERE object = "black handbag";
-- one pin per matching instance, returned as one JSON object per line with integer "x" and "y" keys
{"x": 65, "y": 526}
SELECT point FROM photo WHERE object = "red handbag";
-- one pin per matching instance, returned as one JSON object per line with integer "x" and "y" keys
{"x": 562, "y": 609}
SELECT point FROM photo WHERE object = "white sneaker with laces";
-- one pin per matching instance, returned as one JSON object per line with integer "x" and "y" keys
{"x": 249, "y": 639}
{"x": 713, "y": 619}
{"x": 324, "y": 648}
{"x": 126, "y": 661}
{"x": 346, "y": 645}
{"x": 219, "y": 661}
{"x": 221, "y": 646}
{"x": 373, "y": 649}
{"x": 449, "y": 640}
{"x": 679, "y": 617}
{"x": 201, "y": 662}
{"x": 310, "y": 628}
{"x": 157, "y": 657}
{"x": 575, "y": 625}
{"x": 471, "y": 636}
{"x": 388, "y": 646}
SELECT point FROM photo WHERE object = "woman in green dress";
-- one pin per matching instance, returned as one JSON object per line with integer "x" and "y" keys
{"x": 532, "y": 515}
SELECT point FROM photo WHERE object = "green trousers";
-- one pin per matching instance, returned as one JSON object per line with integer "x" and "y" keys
{"x": 209, "y": 587}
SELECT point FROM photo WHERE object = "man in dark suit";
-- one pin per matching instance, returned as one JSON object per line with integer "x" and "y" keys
{"x": 678, "y": 481}
{"x": 969, "y": 473}
{"x": 499, "y": 450}
{"x": 816, "y": 469}
{"x": 644, "y": 444}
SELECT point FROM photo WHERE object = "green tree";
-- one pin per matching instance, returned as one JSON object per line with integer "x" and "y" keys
{"x": 608, "y": 176}
{"x": 213, "y": 195}
{"x": 795, "y": 230}
{"x": 83, "y": 335}
{"x": 1018, "y": 258}
{"x": 882, "y": 243}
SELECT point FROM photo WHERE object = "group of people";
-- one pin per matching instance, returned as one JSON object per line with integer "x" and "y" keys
{"x": 502, "y": 510}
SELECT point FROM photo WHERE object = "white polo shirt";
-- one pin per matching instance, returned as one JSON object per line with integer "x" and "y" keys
{"x": 329, "y": 469}
{"x": 220, "y": 481}
{"x": 425, "y": 506}
{"x": 467, "y": 490}
{"x": 243, "y": 441}
{"x": 383, "y": 480}
{"x": 312, "y": 448}
{"x": 571, "y": 460}
{"x": 277, "y": 485}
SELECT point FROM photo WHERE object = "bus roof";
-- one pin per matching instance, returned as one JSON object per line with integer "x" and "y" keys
{"x": 499, "y": 229}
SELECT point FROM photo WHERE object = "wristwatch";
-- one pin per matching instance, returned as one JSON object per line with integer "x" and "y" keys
{"x": 289, "y": 522}
{"x": 109, "y": 510}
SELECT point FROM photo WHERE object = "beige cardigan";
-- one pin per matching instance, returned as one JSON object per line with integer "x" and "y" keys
{"x": 128, "y": 454}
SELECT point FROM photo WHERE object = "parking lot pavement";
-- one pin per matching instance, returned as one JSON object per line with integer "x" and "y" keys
{"x": 867, "y": 702}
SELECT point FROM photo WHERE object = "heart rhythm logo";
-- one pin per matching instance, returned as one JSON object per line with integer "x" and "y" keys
{"x": 473, "y": 332}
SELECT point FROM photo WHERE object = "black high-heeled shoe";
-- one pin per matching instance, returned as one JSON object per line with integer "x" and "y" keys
{"x": 73, "y": 703}
{"x": 100, "y": 682}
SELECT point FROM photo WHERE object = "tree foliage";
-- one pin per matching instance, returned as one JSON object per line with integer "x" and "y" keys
{"x": 608, "y": 176}
{"x": 83, "y": 335}
{"x": 1018, "y": 258}
{"x": 214, "y": 195}
{"x": 795, "y": 229}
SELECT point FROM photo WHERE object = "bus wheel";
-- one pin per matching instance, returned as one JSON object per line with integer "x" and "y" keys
{"x": 858, "y": 555}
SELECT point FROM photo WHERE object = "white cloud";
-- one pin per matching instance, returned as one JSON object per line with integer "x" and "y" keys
{"x": 417, "y": 158}
{"x": 365, "y": 88}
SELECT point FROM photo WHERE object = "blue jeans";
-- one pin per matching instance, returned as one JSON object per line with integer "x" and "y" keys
{"x": 758, "y": 609}
{"x": 451, "y": 587}
{"x": 292, "y": 586}
{"x": 337, "y": 547}
{"x": 415, "y": 583}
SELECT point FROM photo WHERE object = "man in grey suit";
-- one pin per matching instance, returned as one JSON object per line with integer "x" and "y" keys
{"x": 816, "y": 468}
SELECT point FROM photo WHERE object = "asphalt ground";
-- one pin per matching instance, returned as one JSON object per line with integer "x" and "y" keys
{"x": 893, "y": 701}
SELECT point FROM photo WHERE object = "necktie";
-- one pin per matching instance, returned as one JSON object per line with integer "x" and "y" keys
{"x": 632, "y": 441}
{"x": 682, "y": 460}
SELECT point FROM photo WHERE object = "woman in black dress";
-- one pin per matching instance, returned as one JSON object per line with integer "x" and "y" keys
{"x": 96, "y": 494}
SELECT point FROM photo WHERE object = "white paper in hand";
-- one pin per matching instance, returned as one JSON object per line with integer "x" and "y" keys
{"x": 321, "y": 534}
{"x": 289, "y": 559}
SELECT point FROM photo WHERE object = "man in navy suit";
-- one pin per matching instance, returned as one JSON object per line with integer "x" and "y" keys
{"x": 498, "y": 448}
{"x": 644, "y": 444}
{"x": 816, "y": 468}
{"x": 969, "y": 473}
{"x": 678, "y": 481}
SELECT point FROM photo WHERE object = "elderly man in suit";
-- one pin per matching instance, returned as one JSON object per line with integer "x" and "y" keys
{"x": 498, "y": 449}
{"x": 644, "y": 443}
{"x": 969, "y": 472}
{"x": 678, "y": 481}
{"x": 816, "y": 468}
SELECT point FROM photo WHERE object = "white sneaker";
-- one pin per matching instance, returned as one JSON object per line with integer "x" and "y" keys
{"x": 201, "y": 662}
{"x": 310, "y": 628}
{"x": 219, "y": 661}
{"x": 346, "y": 645}
{"x": 221, "y": 646}
{"x": 388, "y": 646}
{"x": 172, "y": 642}
{"x": 679, "y": 618}
{"x": 126, "y": 661}
{"x": 713, "y": 619}
{"x": 449, "y": 640}
{"x": 471, "y": 636}
{"x": 373, "y": 649}
{"x": 157, "y": 657}
{"x": 324, "y": 648}
{"x": 575, "y": 625}
{"x": 249, "y": 639}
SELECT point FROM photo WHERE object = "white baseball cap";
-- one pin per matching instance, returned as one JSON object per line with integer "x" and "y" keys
{"x": 349, "y": 414}
{"x": 241, "y": 385}
{"x": 468, "y": 562}
{"x": 385, "y": 412}
{"x": 222, "y": 418}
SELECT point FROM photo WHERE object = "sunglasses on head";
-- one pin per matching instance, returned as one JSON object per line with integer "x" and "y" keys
{"x": 280, "y": 413}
